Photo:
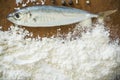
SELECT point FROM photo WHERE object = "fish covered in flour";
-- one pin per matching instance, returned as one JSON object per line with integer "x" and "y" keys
{"x": 48, "y": 16}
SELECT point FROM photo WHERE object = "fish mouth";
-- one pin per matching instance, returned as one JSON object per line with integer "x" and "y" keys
{"x": 9, "y": 16}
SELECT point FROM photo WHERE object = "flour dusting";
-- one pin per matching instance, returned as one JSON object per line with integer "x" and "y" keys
{"x": 92, "y": 56}
{"x": 19, "y": 2}
{"x": 24, "y": 3}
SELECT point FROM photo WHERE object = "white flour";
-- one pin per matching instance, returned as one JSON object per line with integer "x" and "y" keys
{"x": 24, "y": 3}
{"x": 93, "y": 56}
{"x": 19, "y": 1}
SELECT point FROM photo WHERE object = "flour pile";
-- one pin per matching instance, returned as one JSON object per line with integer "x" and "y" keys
{"x": 93, "y": 56}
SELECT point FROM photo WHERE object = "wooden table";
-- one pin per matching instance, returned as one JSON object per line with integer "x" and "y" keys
{"x": 95, "y": 6}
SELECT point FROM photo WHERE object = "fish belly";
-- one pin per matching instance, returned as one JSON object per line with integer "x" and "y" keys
{"x": 55, "y": 16}
{"x": 57, "y": 19}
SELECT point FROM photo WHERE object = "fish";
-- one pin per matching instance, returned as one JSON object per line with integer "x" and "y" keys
{"x": 48, "y": 16}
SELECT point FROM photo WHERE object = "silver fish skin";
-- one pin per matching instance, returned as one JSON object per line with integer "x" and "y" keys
{"x": 48, "y": 16}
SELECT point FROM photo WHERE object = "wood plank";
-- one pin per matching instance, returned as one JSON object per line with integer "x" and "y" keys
{"x": 7, "y": 6}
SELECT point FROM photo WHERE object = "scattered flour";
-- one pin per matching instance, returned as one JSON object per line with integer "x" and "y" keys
{"x": 93, "y": 56}
{"x": 24, "y": 3}
{"x": 19, "y": 2}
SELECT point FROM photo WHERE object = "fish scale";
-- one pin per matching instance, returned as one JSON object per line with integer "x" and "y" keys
{"x": 47, "y": 16}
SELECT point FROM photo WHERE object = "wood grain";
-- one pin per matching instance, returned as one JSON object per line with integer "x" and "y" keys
{"x": 96, "y": 6}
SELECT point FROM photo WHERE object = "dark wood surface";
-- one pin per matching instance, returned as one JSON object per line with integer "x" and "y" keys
{"x": 96, "y": 6}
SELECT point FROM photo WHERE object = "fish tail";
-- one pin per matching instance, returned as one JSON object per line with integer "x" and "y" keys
{"x": 107, "y": 13}
{"x": 103, "y": 15}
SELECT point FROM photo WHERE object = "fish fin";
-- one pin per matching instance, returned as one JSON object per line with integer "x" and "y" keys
{"x": 103, "y": 15}
{"x": 107, "y": 13}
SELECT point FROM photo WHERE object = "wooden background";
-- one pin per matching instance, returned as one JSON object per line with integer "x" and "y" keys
{"x": 96, "y": 6}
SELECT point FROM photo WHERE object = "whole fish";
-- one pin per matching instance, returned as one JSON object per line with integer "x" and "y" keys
{"x": 47, "y": 16}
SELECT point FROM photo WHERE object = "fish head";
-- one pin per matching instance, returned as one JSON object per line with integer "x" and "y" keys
{"x": 19, "y": 17}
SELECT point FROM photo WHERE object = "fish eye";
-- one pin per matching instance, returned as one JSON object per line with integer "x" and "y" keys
{"x": 17, "y": 15}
